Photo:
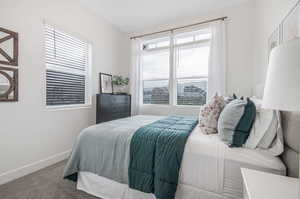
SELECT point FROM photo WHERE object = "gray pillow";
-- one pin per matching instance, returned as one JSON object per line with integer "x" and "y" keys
{"x": 229, "y": 119}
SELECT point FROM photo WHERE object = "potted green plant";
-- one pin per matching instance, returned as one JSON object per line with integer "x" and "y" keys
{"x": 120, "y": 84}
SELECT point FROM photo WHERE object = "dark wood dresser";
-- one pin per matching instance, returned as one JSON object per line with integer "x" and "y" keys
{"x": 112, "y": 107}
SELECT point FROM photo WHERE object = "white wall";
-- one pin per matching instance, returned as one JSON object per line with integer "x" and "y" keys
{"x": 268, "y": 15}
{"x": 32, "y": 136}
{"x": 240, "y": 39}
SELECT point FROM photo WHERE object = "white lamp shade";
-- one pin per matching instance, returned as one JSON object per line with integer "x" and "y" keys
{"x": 282, "y": 89}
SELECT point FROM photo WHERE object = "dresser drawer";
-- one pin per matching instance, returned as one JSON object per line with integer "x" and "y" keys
{"x": 111, "y": 107}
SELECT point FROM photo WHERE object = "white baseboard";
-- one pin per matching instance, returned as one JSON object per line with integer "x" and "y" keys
{"x": 30, "y": 168}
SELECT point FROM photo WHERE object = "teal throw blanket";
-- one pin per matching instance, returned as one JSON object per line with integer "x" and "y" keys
{"x": 156, "y": 152}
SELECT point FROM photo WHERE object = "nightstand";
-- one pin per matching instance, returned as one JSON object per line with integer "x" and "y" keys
{"x": 261, "y": 185}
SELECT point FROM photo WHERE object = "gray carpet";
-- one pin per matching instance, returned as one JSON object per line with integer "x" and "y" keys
{"x": 44, "y": 184}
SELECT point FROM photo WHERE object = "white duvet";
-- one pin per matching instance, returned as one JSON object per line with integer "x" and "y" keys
{"x": 210, "y": 170}
{"x": 209, "y": 164}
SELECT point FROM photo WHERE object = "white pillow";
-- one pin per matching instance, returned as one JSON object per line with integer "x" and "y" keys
{"x": 261, "y": 125}
{"x": 257, "y": 102}
{"x": 266, "y": 134}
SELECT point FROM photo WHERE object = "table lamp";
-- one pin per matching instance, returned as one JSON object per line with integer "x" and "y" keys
{"x": 282, "y": 88}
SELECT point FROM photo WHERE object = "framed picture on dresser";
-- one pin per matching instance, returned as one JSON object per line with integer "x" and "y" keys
{"x": 105, "y": 83}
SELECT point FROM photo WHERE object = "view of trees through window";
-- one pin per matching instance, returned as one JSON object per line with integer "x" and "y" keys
{"x": 186, "y": 75}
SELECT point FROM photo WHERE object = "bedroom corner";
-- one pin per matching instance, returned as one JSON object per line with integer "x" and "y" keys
{"x": 108, "y": 99}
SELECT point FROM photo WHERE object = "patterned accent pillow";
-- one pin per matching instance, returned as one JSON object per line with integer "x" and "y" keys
{"x": 209, "y": 115}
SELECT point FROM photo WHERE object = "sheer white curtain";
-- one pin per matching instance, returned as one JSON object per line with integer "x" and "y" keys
{"x": 217, "y": 60}
{"x": 135, "y": 76}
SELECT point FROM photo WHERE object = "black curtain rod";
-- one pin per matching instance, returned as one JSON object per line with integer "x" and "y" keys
{"x": 181, "y": 27}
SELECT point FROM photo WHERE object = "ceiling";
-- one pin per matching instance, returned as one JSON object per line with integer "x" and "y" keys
{"x": 135, "y": 15}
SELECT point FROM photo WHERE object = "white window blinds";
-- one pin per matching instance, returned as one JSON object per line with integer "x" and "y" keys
{"x": 67, "y": 62}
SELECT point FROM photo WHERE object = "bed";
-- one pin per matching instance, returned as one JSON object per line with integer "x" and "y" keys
{"x": 209, "y": 169}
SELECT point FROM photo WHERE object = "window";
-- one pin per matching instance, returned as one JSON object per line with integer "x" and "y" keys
{"x": 175, "y": 69}
{"x": 155, "y": 72}
{"x": 67, "y": 69}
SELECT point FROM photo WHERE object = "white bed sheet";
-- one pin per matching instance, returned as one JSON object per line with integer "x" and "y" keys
{"x": 210, "y": 170}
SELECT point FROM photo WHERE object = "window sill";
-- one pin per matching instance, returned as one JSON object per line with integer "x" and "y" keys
{"x": 188, "y": 106}
{"x": 69, "y": 107}
{"x": 176, "y": 106}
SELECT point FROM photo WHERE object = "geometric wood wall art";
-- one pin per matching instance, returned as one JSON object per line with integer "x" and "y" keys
{"x": 9, "y": 47}
{"x": 8, "y": 84}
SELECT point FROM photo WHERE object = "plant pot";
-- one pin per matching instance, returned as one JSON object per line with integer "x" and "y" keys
{"x": 120, "y": 89}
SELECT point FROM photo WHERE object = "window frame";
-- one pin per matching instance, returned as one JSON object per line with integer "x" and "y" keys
{"x": 172, "y": 65}
{"x": 87, "y": 73}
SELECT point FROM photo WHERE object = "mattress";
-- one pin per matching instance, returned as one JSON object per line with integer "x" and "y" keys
{"x": 210, "y": 169}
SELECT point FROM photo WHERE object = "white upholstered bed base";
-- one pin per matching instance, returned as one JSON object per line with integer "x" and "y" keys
{"x": 209, "y": 170}
{"x": 108, "y": 189}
